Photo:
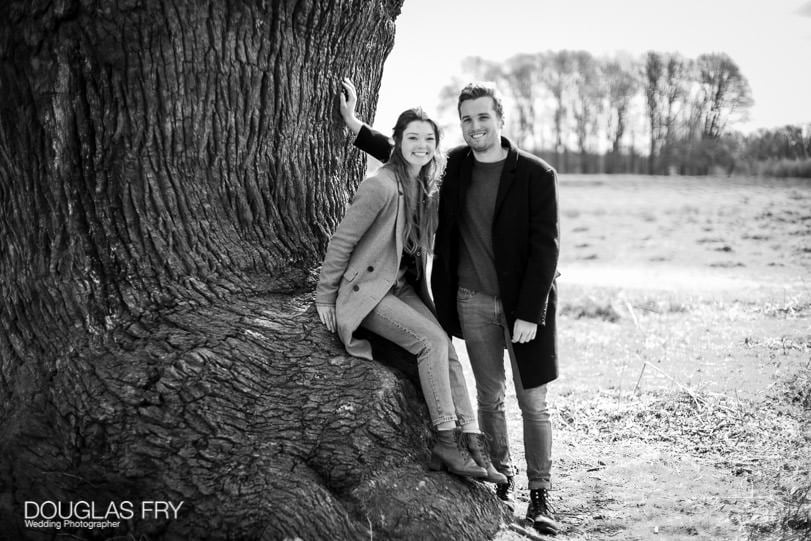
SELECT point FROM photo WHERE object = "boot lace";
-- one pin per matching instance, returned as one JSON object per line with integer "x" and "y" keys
{"x": 478, "y": 445}
{"x": 462, "y": 442}
{"x": 539, "y": 502}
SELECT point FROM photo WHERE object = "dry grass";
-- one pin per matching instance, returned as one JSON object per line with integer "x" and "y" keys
{"x": 682, "y": 410}
{"x": 763, "y": 444}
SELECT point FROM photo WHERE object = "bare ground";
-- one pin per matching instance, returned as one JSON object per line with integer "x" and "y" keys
{"x": 683, "y": 406}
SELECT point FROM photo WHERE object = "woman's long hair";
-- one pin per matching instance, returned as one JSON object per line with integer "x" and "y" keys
{"x": 421, "y": 211}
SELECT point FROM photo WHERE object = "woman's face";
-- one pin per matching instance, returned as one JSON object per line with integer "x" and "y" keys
{"x": 419, "y": 144}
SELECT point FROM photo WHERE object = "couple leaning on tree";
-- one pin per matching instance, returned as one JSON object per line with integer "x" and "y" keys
{"x": 490, "y": 220}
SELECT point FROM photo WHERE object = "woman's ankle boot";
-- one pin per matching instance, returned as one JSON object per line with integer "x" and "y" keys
{"x": 477, "y": 445}
{"x": 449, "y": 454}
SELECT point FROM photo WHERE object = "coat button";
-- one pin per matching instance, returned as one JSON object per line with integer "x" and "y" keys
{"x": 355, "y": 288}
{"x": 370, "y": 268}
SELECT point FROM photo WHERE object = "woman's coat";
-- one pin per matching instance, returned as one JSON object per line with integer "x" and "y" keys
{"x": 363, "y": 257}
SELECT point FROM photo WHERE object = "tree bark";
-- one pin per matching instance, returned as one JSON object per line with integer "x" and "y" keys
{"x": 170, "y": 174}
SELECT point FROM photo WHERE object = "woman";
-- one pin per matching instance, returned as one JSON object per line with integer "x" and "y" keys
{"x": 373, "y": 276}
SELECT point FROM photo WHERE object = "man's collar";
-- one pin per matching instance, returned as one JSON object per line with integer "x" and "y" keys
{"x": 512, "y": 152}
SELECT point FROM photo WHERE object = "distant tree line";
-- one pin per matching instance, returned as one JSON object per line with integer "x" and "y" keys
{"x": 662, "y": 113}
{"x": 782, "y": 152}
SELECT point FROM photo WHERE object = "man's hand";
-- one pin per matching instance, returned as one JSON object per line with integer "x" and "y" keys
{"x": 326, "y": 313}
{"x": 349, "y": 99}
{"x": 524, "y": 331}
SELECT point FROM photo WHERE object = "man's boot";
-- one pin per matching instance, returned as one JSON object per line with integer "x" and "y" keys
{"x": 506, "y": 492}
{"x": 540, "y": 512}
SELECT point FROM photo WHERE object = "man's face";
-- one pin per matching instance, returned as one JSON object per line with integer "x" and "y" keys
{"x": 481, "y": 126}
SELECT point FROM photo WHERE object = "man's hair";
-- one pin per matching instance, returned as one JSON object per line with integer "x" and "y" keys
{"x": 481, "y": 89}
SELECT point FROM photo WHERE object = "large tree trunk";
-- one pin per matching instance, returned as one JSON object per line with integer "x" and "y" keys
{"x": 170, "y": 173}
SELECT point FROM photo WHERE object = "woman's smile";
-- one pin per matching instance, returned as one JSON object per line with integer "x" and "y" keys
{"x": 419, "y": 144}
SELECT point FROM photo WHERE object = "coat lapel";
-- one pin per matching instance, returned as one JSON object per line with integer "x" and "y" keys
{"x": 465, "y": 178}
{"x": 507, "y": 176}
{"x": 399, "y": 225}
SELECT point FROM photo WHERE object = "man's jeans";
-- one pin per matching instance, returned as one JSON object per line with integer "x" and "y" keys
{"x": 403, "y": 318}
{"x": 486, "y": 334}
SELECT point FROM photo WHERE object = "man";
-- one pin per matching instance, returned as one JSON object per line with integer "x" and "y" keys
{"x": 493, "y": 280}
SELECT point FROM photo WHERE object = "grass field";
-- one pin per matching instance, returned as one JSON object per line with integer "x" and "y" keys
{"x": 684, "y": 402}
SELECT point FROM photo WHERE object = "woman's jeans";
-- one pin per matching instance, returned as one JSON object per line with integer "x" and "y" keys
{"x": 486, "y": 334}
{"x": 403, "y": 318}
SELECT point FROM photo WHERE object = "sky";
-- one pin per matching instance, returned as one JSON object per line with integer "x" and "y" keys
{"x": 770, "y": 40}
